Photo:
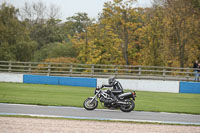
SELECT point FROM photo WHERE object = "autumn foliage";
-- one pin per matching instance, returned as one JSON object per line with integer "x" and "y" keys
{"x": 166, "y": 34}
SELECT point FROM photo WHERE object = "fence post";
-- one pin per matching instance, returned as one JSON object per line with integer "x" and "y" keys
{"x": 29, "y": 67}
{"x": 49, "y": 69}
{"x": 139, "y": 71}
{"x": 92, "y": 70}
{"x": 187, "y": 76}
{"x": 116, "y": 71}
{"x": 71, "y": 69}
{"x": 9, "y": 66}
{"x": 164, "y": 72}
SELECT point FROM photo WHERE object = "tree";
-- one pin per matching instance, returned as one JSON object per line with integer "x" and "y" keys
{"x": 47, "y": 33}
{"x": 55, "y": 50}
{"x": 43, "y": 23}
{"x": 14, "y": 37}
{"x": 183, "y": 24}
{"x": 171, "y": 33}
{"x": 77, "y": 25}
{"x": 113, "y": 39}
{"x": 154, "y": 37}
{"x": 24, "y": 50}
{"x": 80, "y": 22}
{"x": 125, "y": 21}
{"x": 102, "y": 47}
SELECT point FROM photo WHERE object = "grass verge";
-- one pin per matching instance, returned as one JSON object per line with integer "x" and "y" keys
{"x": 74, "y": 96}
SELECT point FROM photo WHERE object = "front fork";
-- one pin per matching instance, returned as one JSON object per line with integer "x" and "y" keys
{"x": 93, "y": 98}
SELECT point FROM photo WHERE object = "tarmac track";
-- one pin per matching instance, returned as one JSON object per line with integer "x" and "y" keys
{"x": 98, "y": 114}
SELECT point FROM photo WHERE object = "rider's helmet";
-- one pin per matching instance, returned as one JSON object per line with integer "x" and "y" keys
{"x": 111, "y": 79}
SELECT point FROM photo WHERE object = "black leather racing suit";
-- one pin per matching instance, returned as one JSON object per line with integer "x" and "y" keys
{"x": 117, "y": 88}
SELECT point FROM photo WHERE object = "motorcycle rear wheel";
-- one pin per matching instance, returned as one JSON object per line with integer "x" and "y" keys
{"x": 88, "y": 105}
{"x": 129, "y": 107}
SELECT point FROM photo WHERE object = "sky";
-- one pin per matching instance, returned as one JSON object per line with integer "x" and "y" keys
{"x": 69, "y": 7}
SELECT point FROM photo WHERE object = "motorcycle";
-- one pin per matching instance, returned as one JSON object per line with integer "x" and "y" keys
{"x": 124, "y": 101}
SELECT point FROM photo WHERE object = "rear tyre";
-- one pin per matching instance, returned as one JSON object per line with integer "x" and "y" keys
{"x": 90, "y": 105}
{"x": 127, "y": 107}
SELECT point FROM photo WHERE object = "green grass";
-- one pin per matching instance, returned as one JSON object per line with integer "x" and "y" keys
{"x": 74, "y": 96}
{"x": 168, "y": 102}
{"x": 43, "y": 94}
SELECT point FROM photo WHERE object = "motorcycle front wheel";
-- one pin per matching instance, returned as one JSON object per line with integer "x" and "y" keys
{"x": 90, "y": 105}
{"x": 127, "y": 107}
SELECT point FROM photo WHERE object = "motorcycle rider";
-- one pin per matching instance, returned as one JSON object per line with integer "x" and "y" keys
{"x": 117, "y": 88}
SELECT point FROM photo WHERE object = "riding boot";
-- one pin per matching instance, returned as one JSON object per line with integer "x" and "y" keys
{"x": 114, "y": 99}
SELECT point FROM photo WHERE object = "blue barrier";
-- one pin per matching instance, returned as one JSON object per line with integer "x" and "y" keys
{"x": 189, "y": 87}
{"x": 52, "y": 80}
{"x": 74, "y": 81}
{"x": 37, "y": 79}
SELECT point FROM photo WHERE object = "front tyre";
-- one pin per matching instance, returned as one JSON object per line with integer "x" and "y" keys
{"x": 127, "y": 107}
{"x": 90, "y": 105}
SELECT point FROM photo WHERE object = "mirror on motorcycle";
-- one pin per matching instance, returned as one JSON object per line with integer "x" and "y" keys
{"x": 98, "y": 88}
{"x": 134, "y": 93}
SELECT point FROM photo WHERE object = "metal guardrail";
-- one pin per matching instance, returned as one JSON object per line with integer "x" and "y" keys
{"x": 98, "y": 70}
